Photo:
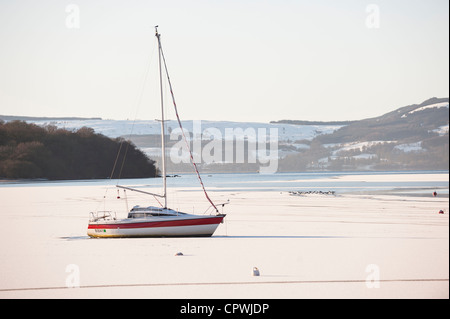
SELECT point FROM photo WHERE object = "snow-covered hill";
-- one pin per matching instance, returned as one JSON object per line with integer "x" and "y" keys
{"x": 410, "y": 137}
{"x": 116, "y": 128}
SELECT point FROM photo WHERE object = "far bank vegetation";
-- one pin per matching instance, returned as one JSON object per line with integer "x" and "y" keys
{"x": 29, "y": 151}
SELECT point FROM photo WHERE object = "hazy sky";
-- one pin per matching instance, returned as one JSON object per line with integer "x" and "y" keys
{"x": 233, "y": 60}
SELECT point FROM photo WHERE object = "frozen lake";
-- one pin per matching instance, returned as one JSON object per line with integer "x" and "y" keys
{"x": 340, "y": 182}
{"x": 379, "y": 236}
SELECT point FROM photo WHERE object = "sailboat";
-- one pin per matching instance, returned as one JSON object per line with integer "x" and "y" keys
{"x": 152, "y": 221}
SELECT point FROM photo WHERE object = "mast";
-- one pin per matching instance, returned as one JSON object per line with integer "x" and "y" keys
{"x": 163, "y": 138}
{"x": 163, "y": 59}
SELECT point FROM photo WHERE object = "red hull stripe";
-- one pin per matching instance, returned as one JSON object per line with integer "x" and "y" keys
{"x": 167, "y": 223}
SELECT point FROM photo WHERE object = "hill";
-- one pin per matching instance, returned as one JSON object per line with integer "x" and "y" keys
{"x": 411, "y": 137}
{"x": 29, "y": 151}
{"x": 409, "y": 123}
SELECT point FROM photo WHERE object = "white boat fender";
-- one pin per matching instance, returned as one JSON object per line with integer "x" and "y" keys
{"x": 255, "y": 271}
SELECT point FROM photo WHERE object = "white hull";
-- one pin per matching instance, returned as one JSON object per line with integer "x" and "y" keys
{"x": 180, "y": 231}
{"x": 168, "y": 226}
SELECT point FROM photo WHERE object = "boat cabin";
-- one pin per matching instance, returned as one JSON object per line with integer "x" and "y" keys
{"x": 150, "y": 211}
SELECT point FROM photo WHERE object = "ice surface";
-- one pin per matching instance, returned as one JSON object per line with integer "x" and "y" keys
{"x": 304, "y": 246}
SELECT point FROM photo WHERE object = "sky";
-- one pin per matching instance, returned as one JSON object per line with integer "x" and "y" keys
{"x": 246, "y": 60}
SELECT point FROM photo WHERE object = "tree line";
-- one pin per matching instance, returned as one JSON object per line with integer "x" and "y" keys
{"x": 29, "y": 151}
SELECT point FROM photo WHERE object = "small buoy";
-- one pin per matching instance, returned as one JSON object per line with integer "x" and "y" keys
{"x": 179, "y": 253}
{"x": 441, "y": 211}
{"x": 255, "y": 271}
{"x": 434, "y": 194}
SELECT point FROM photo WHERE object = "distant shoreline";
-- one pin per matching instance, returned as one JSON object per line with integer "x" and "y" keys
{"x": 420, "y": 184}
{"x": 39, "y": 118}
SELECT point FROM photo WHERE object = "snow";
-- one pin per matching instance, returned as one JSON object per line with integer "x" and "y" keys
{"x": 411, "y": 147}
{"x": 431, "y": 106}
{"x": 442, "y": 130}
{"x": 116, "y": 128}
{"x": 355, "y": 146}
{"x": 365, "y": 156}
{"x": 303, "y": 246}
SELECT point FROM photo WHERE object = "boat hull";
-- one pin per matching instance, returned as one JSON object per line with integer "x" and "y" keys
{"x": 167, "y": 226}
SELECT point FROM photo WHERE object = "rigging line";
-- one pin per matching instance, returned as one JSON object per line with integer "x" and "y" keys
{"x": 162, "y": 206}
{"x": 181, "y": 127}
{"x": 112, "y": 171}
{"x": 115, "y": 162}
{"x": 139, "y": 194}
{"x": 123, "y": 161}
{"x": 137, "y": 104}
